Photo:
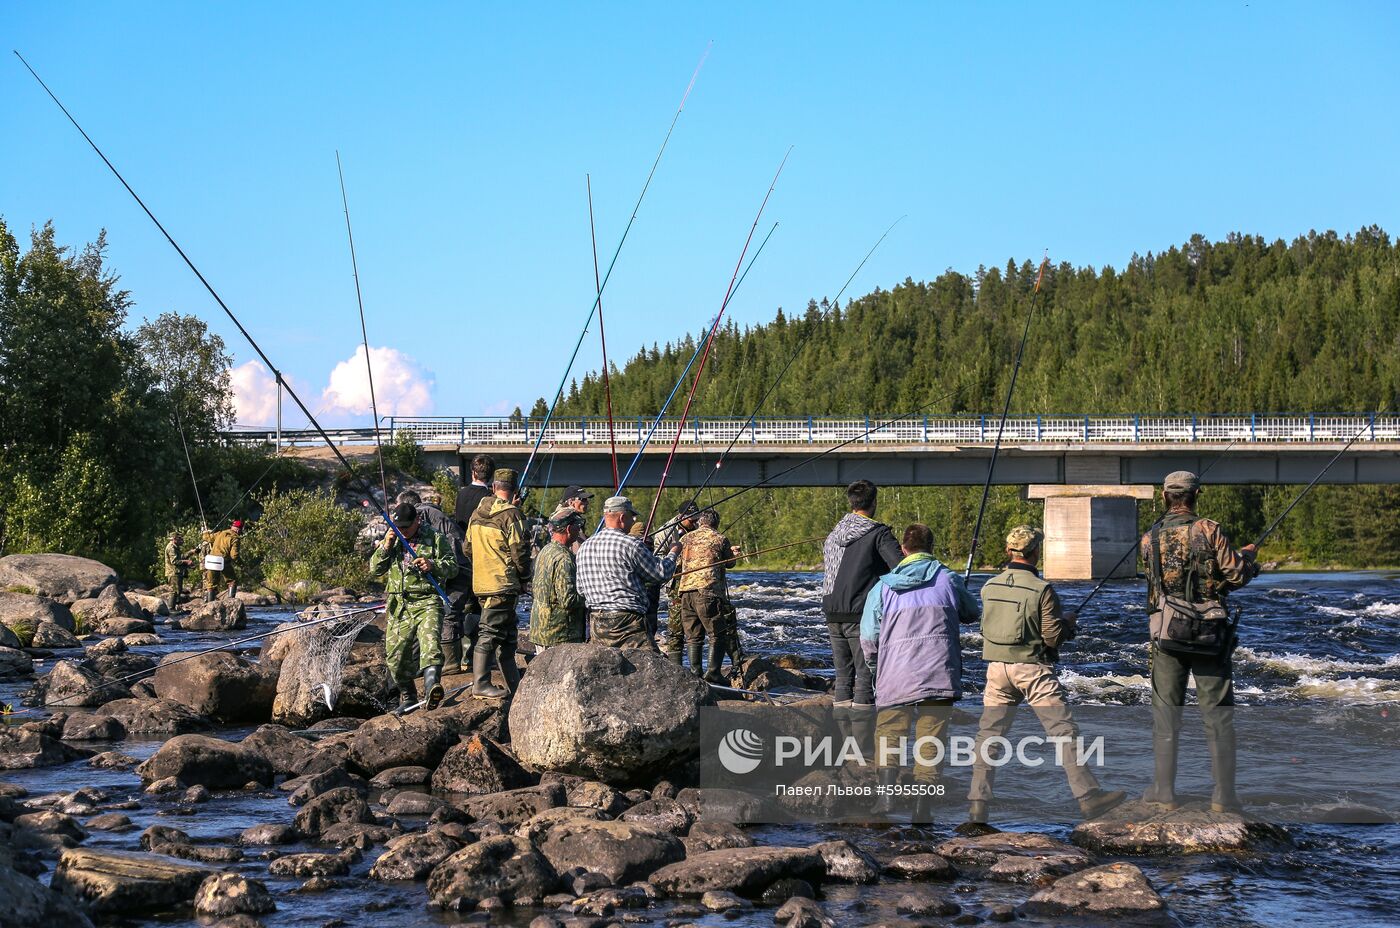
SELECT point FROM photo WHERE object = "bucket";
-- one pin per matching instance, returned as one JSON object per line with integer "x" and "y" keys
{"x": 213, "y": 562}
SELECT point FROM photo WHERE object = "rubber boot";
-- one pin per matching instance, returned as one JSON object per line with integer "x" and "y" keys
{"x": 884, "y": 794}
{"x": 209, "y": 595}
{"x": 925, "y": 810}
{"x": 695, "y": 653}
{"x": 509, "y": 671}
{"x": 452, "y": 656}
{"x": 233, "y": 591}
{"x": 713, "y": 672}
{"x": 408, "y": 695}
{"x": 1222, "y": 767}
{"x": 481, "y": 674}
{"x": 1162, "y": 792}
{"x": 673, "y": 652}
{"x": 863, "y": 728}
{"x": 432, "y": 686}
{"x": 1097, "y": 802}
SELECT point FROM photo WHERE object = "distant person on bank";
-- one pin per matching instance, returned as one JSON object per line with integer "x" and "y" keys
{"x": 1023, "y": 626}
{"x": 557, "y": 614}
{"x": 614, "y": 570}
{"x": 177, "y": 564}
{"x": 498, "y": 545}
{"x": 413, "y": 606}
{"x": 224, "y": 546}
{"x": 909, "y": 638}
{"x": 1191, "y": 570}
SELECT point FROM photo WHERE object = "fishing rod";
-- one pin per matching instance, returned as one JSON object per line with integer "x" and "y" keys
{"x": 1005, "y": 411}
{"x": 768, "y": 481}
{"x": 345, "y": 462}
{"x": 194, "y": 483}
{"x": 719, "y": 462}
{"x": 559, "y": 394}
{"x": 790, "y": 544}
{"x": 1133, "y": 549}
{"x": 695, "y": 356}
{"x": 364, "y": 333}
{"x": 1370, "y": 427}
{"x": 602, "y": 333}
{"x": 709, "y": 343}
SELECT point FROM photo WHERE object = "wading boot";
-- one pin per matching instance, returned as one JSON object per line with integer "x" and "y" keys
{"x": 452, "y": 656}
{"x": 209, "y": 596}
{"x": 408, "y": 696}
{"x": 432, "y": 686}
{"x": 695, "y": 653}
{"x": 672, "y": 651}
{"x": 1222, "y": 766}
{"x": 509, "y": 671}
{"x": 1096, "y": 803}
{"x": 885, "y": 792}
{"x": 481, "y": 675}
{"x": 713, "y": 674}
{"x": 976, "y": 825}
{"x": 925, "y": 808}
{"x": 233, "y": 591}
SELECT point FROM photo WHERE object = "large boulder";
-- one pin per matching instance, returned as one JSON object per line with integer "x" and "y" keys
{"x": 515, "y": 806}
{"x": 505, "y": 867}
{"x": 624, "y": 852}
{"x": 284, "y": 751}
{"x": 222, "y": 615}
{"x": 413, "y": 857}
{"x": 113, "y": 883}
{"x": 52, "y": 637}
{"x": 204, "y": 761}
{"x": 57, "y": 576}
{"x": 148, "y": 603}
{"x": 1110, "y": 891}
{"x": 23, "y": 748}
{"x": 417, "y": 740}
{"x": 607, "y": 714}
{"x": 1140, "y": 828}
{"x": 73, "y": 686}
{"x": 218, "y": 685}
{"x": 747, "y": 871}
{"x": 111, "y": 603}
{"x": 478, "y": 766}
{"x": 225, "y": 894}
{"x": 15, "y": 663}
{"x": 343, "y": 805}
{"x": 154, "y": 716}
{"x": 120, "y": 628}
{"x": 30, "y": 904}
{"x": 24, "y": 612}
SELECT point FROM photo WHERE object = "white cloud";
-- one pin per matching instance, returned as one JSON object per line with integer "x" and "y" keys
{"x": 401, "y": 386}
{"x": 254, "y": 394}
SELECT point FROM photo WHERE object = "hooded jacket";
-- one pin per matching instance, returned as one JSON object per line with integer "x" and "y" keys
{"x": 498, "y": 547}
{"x": 855, "y": 554}
{"x": 909, "y": 631}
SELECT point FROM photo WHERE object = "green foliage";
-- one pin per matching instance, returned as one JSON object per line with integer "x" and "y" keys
{"x": 446, "y": 484}
{"x": 304, "y": 535}
{"x": 405, "y": 454}
{"x": 193, "y": 367}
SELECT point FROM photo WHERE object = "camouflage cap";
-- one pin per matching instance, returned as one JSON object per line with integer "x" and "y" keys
{"x": 619, "y": 504}
{"x": 1181, "y": 481}
{"x": 563, "y": 519}
{"x": 505, "y": 475}
{"x": 1024, "y": 538}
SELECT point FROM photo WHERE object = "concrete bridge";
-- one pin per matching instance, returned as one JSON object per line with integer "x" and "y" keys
{"x": 1090, "y": 470}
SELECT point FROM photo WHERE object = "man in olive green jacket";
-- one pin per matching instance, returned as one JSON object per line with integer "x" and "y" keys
{"x": 557, "y": 613}
{"x": 223, "y": 545}
{"x": 1023, "y": 626}
{"x": 498, "y": 546}
{"x": 414, "y": 606}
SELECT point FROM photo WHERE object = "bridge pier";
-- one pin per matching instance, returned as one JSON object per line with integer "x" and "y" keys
{"x": 1087, "y": 529}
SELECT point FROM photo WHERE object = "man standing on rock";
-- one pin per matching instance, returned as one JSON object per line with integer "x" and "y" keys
{"x": 498, "y": 545}
{"x": 665, "y": 538}
{"x": 468, "y": 498}
{"x": 223, "y": 547}
{"x": 557, "y": 613}
{"x": 177, "y": 564}
{"x": 413, "y": 606}
{"x": 1023, "y": 626}
{"x": 459, "y": 588}
{"x": 700, "y": 593}
{"x": 614, "y": 569}
{"x": 1191, "y": 570}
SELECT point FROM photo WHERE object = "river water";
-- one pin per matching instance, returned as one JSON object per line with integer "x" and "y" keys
{"x": 1306, "y": 639}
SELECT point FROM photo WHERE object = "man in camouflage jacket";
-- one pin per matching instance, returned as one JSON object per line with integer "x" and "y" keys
{"x": 700, "y": 592}
{"x": 557, "y": 614}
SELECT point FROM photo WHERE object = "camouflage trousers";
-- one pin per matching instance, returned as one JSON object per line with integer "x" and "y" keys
{"x": 176, "y": 580}
{"x": 621, "y": 630}
{"x": 412, "y": 623}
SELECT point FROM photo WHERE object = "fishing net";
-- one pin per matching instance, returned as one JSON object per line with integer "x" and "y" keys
{"x": 313, "y": 658}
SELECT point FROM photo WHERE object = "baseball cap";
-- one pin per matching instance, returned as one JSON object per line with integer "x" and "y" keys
{"x": 1180, "y": 481}
{"x": 576, "y": 492}
{"x": 618, "y": 504}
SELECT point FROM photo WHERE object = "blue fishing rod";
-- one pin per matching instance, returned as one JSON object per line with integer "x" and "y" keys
{"x": 559, "y": 394}
{"x": 636, "y": 458}
{"x": 366, "y": 488}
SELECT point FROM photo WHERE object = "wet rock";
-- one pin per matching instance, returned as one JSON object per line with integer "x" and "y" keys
{"x": 110, "y": 821}
{"x": 120, "y": 668}
{"x": 601, "y": 796}
{"x": 922, "y": 867}
{"x": 162, "y": 834}
{"x": 113, "y": 760}
{"x": 719, "y": 805}
{"x": 220, "y": 685}
{"x": 227, "y": 894}
{"x": 417, "y": 740}
{"x": 358, "y": 835}
{"x": 319, "y": 884}
{"x": 413, "y": 857}
{"x": 14, "y": 663}
{"x": 663, "y": 814}
{"x": 344, "y": 805}
{"x": 113, "y": 883}
{"x": 105, "y": 646}
{"x": 200, "y": 853}
{"x": 154, "y": 717}
{"x": 712, "y": 836}
{"x": 1136, "y": 827}
{"x": 164, "y": 785}
{"x": 505, "y": 867}
{"x": 986, "y": 850}
{"x": 926, "y": 904}
{"x": 268, "y": 834}
{"x": 52, "y": 823}
{"x": 721, "y": 902}
{"x": 58, "y": 576}
{"x": 477, "y": 766}
{"x": 1036, "y": 870}
{"x": 141, "y": 640}
{"x": 305, "y": 788}
{"x": 195, "y": 795}
{"x": 54, "y": 637}
{"x": 1107, "y": 891}
{"x": 30, "y": 904}
{"x": 746, "y": 871}
{"x": 148, "y": 603}
{"x": 412, "y": 802}
{"x": 515, "y": 806}
{"x": 221, "y": 615}
{"x": 624, "y": 852}
{"x": 71, "y": 685}
{"x": 846, "y": 863}
{"x": 401, "y": 776}
{"x": 283, "y": 751}
{"x": 302, "y": 866}
{"x": 21, "y": 750}
{"x": 205, "y": 761}
{"x": 780, "y": 891}
{"x": 801, "y": 912}
{"x": 611, "y": 715}
{"x": 83, "y": 726}
{"x": 534, "y": 828}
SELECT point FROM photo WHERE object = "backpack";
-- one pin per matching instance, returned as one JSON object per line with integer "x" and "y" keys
{"x": 1180, "y": 624}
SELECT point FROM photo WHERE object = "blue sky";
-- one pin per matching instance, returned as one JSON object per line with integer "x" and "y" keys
{"x": 1090, "y": 130}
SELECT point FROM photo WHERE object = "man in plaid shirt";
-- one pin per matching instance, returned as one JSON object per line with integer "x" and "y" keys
{"x": 613, "y": 570}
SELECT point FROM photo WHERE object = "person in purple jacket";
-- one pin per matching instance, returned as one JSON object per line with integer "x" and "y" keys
{"x": 909, "y": 635}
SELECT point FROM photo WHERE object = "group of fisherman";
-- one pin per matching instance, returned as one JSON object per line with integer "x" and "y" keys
{"x": 217, "y": 556}
{"x": 452, "y": 584}
{"x": 893, "y": 616}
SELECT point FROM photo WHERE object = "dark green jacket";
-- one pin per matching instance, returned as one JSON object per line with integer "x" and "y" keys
{"x": 1022, "y": 621}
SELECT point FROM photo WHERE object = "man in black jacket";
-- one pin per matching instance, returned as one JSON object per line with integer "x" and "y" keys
{"x": 468, "y": 498}
{"x": 856, "y": 554}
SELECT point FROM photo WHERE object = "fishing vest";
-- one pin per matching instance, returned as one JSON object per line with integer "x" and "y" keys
{"x": 1011, "y": 619}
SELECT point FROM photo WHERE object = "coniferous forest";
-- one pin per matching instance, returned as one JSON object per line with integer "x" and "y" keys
{"x": 1241, "y": 325}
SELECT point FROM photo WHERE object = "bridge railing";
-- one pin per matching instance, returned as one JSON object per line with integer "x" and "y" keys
{"x": 714, "y": 432}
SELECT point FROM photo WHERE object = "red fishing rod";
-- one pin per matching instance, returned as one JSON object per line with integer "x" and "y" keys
{"x": 709, "y": 343}
{"x": 602, "y": 335}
